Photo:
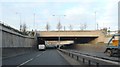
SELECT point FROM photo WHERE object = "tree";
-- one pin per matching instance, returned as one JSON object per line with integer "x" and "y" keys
{"x": 108, "y": 31}
{"x": 59, "y": 26}
{"x": 70, "y": 27}
{"x": 83, "y": 26}
{"x": 105, "y": 30}
{"x": 47, "y": 27}
{"x": 24, "y": 28}
{"x": 32, "y": 33}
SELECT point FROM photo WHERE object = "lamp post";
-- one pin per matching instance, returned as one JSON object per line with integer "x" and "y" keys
{"x": 20, "y": 20}
{"x": 96, "y": 24}
{"x": 34, "y": 28}
{"x": 34, "y": 21}
{"x": 95, "y": 19}
{"x": 59, "y": 16}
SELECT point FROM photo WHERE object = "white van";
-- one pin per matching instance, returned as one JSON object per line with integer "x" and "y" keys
{"x": 41, "y": 47}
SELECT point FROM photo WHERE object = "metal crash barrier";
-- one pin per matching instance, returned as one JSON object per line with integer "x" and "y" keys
{"x": 89, "y": 60}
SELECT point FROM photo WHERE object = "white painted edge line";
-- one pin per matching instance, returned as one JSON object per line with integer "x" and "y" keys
{"x": 38, "y": 55}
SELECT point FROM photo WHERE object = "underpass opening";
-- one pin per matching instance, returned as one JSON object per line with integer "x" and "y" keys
{"x": 77, "y": 40}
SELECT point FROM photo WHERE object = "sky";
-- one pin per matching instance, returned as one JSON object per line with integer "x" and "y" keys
{"x": 77, "y": 12}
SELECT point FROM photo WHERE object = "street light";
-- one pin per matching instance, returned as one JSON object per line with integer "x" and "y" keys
{"x": 34, "y": 21}
{"x": 96, "y": 24}
{"x": 20, "y": 20}
{"x": 59, "y": 29}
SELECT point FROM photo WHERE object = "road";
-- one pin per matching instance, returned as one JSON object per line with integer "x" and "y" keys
{"x": 48, "y": 57}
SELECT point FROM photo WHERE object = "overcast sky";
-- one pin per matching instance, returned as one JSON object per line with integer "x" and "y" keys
{"x": 77, "y": 12}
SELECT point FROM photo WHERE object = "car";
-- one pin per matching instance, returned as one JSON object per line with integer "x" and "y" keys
{"x": 41, "y": 47}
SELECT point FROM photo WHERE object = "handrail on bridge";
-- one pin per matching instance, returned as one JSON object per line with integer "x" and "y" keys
{"x": 89, "y": 60}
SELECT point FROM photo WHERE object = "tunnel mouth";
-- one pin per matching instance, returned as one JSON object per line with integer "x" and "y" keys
{"x": 81, "y": 40}
{"x": 77, "y": 40}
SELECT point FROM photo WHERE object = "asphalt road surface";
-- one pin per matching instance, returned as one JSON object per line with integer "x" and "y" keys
{"x": 48, "y": 57}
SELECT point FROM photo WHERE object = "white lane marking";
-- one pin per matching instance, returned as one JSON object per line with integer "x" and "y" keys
{"x": 25, "y": 62}
{"x": 30, "y": 60}
{"x": 40, "y": 54}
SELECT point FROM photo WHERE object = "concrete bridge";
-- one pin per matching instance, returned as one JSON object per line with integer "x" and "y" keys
{"x": 78, "y": 36}
{"x": 18, "y": 49}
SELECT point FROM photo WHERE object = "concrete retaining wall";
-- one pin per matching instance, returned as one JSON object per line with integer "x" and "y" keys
{"x": 13, "y": 43}
{"x": 11, "y": 40}
{"x": 14, "y": 39}
{"x": 90, "y": 47}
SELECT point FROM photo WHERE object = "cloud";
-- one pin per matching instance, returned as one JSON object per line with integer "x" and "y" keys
{"x": 109, "y": 17}
{"x": 106, "y": 13}
{"x": 77, "y": 11}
